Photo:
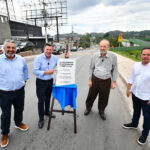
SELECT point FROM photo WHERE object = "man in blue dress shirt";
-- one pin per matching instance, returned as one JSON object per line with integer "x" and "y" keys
{"x": 43, "y": 69}
{"x": 13, "y": 75}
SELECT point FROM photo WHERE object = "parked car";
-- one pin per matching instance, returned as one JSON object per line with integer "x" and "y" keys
{"x": 59, "y": 48}
{"x": 74, "y": 48}
{"x": 80, "y": 48}
{"x": 24, "y": 46}
{"x": 1, "y": 49}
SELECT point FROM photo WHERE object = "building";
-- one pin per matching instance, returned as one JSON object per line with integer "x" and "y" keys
{"x": 20, "y": 31}
{"x": 5, "y": 32}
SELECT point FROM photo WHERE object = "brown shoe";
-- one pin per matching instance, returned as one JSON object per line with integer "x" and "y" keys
{"x": 22, "y": 127}
{"x": 4, "y": 140}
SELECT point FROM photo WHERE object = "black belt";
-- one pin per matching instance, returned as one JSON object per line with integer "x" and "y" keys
{"x": 101, "y": 79}
{"x": 43, "y": 80}
{"x": 13, "y": 91}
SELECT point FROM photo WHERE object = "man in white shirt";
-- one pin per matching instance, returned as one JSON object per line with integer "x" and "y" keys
{"x": 139, "y": 86}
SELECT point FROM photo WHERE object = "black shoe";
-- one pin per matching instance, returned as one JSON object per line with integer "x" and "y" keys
{"x": 48, "y": 114}
{"x": 129, "y": 126}
{"x": 41, "y": 124}
{"x": 142, "y": 140}
{"x": 103, "y": 116}
{"x": 86, "y": 112}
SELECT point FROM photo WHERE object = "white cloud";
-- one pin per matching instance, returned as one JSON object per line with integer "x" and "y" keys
{"x": 106, "y": 15}
{"x": 129, "y": 16}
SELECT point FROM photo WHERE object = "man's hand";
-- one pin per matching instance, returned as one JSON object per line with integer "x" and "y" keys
{"x": 113, "y": 84}
{"x": 148, "y": 102}
{"x": 128, "y": 92}
{"x": 90, "y": 82}
{"x": 128, "y": 89}
{"x": 51, "y": 71}
{"x": 67, "y": 55}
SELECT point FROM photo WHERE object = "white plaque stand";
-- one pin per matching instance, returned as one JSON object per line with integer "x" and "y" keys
{"x": 65, "y": 71}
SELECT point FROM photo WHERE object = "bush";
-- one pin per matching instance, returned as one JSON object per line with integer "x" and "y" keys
{"x": 133, "y": 54}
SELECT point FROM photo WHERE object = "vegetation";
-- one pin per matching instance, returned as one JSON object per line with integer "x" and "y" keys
{"x": 84, "y": 41}
{"x": 133, "y": 36}
{"x": 133, "y": 54}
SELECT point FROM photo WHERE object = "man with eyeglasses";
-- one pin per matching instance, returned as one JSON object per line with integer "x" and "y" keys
{"x": 13, "y": 75}
{"x": 43, "y": 69}
{"x": 139, "y": 86}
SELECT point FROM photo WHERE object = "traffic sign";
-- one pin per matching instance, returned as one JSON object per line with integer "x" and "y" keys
{"x": 120, "y": 38}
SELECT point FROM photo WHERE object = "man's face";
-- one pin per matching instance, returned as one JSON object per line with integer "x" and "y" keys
{"x": 48, "y": 50}
{"x": 145, "y": 56}
{"x": 10, "y": 49}
{"x": 104, "y": 47}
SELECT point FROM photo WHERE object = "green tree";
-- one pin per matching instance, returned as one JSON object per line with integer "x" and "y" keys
{"x": 85, "y": 41}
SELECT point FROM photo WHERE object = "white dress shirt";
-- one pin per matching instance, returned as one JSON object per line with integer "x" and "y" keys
{"x": 140, "y": 80}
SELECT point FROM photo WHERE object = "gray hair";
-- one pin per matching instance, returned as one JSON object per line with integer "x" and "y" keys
{"x": 8, "y": 41}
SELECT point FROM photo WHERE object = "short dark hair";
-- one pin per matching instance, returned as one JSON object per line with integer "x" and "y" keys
{"x": 145, "y": 49}
{"x": 48, "y": 44}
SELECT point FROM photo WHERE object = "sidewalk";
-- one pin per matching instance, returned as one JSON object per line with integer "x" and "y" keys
{"x": 124, "y": 68}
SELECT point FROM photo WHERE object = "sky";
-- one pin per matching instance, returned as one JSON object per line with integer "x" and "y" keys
{"x": 85, "y": 16}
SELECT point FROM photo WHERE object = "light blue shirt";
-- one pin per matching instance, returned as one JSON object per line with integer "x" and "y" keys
{"x": 41, "y": 64}
{"x": 13, "y": 73}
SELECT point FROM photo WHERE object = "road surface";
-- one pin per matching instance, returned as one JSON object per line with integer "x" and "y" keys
{"x": 93, "y": 133}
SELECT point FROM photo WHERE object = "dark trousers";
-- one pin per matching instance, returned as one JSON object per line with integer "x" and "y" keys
{"x": 139, "y": 105}
{"x": 7, "y": 99}
{"x": 43, "y": 91}
{"x": 101, "y": 87}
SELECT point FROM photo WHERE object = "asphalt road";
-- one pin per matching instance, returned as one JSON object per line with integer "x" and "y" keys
{"x": 93, "y": 133}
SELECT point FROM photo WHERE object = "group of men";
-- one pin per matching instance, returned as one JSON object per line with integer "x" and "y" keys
{"x": 102, "y": 77}
{"x": 103, "y": 69}
{"x": 13, "y": 77}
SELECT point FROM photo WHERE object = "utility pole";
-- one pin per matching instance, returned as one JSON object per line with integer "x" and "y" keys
{"x": 72, "y": 36}
{"x": 13, "y": 9}
{"x": 57, "y": 29}
{"x": 45, "y": 23}
{"x": 7, "y": 9}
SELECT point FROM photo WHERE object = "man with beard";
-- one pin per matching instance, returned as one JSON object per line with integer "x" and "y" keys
{"x": 13, "y": 75}
{"x": 102, "y": 77}
{"x": 139, "y": 86}
{"x": 43, "y": 69}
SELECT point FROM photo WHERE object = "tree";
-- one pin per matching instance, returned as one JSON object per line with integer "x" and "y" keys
{"x": 85, "y": 41}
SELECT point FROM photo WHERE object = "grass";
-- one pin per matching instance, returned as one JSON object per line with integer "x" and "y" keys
{"x": 132, "y": 54}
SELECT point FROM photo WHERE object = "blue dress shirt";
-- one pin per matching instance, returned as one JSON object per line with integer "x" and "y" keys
{"x": 13, "y": 73}
{"x": 41, "y": 64}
